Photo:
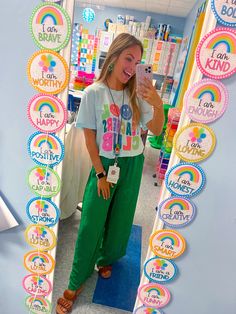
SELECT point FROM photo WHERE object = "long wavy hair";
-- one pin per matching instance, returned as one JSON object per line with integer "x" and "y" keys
{"x": 120, "y": 43}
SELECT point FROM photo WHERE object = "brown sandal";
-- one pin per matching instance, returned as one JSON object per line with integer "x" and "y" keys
{"x": 105, "y": 271}
{"x": 65, "y": 304}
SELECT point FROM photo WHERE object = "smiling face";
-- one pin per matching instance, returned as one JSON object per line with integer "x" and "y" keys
{"x": 125, "y": 66}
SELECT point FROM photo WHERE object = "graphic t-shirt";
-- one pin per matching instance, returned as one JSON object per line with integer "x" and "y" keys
{"x": 112, "y": 121}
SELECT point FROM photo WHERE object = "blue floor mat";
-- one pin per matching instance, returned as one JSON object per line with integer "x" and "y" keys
{"x": 120, "y": 290}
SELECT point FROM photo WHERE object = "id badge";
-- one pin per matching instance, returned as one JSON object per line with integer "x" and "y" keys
{"x": 113, "y": 174}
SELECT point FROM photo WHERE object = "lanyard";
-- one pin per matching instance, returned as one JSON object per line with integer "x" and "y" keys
{"x": 116, "y": 147}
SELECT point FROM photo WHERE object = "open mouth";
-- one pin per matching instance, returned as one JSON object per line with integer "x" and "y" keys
{"x": 127, "y": 74}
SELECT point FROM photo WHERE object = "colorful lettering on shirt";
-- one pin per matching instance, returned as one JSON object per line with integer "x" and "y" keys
{"x": 128, "y": 138}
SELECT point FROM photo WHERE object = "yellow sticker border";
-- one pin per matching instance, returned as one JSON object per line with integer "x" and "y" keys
{"x": 177, "y": 134}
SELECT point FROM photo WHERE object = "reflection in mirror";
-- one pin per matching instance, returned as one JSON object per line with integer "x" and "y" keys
{"x": 116, "y": 117}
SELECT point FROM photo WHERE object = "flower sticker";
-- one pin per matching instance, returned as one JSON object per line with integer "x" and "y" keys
{"x": 47, "y": 63}
{"x": 41, "y": 206}
{"x": 197, "y": 135}
{"x": 160, "y": 264}
{"x": 40, "y": 232}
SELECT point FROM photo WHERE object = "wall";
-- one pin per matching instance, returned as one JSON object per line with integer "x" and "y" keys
{"x": 112, "y": 12}
{"x": 16, "y": 47}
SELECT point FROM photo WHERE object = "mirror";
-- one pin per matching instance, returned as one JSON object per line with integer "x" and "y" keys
{"x": 159, "y": 32}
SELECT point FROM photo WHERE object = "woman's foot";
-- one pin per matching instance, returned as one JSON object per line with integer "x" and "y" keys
{"x": 105, "y": 271}
{"x": 64, "y": 306}
{"x": 65, "y": 303}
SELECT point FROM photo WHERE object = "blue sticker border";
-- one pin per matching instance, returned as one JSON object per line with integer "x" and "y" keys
{"x": 58, "y": 211}
{"x": 186, "y": 164}
{"x": 41, "y": 163}
{"x": 219, "y": 19}
{"x": 155, "y": 280}
{"x": 183, "y": 224}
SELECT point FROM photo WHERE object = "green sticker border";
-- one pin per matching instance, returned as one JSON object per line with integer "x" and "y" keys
{"x": 54, "y": 172}
{"x": 67, "y": 18}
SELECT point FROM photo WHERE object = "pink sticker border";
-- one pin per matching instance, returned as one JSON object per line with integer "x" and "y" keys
{"x": 158, "y": 285}
{"x": 39, "y": 295}
{"x": 62, "y": 107}
{"x": 198, "y": 51}
{"x": 206, "y": 80}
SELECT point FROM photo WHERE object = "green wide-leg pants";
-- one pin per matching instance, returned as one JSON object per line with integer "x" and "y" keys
{"x": 106, "y": 224}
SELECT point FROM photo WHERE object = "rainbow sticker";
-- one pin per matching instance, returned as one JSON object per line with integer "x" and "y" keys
{"x": 224, "y": 11}
{"x": 154, "y": 295}
{"x": 176, "y": 211}
{"x": 38, "y": 305}
{"x": 167, "y": 244}
{"x": 147, "y": 310}
{"x": 45, "y": 149}
{"x": 48, "y": 72}
{"x": 43, "y": 211}
{"x": 40, "y": 237}
{"x": 195, "y": 142}
{"x": 206, "y": 101}
{"x": 185, "y": 179}
{"x": 216, "y": 53}
{"x": 39, "y": 263}
{"x": 47, "y": 113}
{"x": 50, "y": 26}
{"x": 160, "y": 270}
{"x": 38, "y": 286}
{"x": 44, "y": 181}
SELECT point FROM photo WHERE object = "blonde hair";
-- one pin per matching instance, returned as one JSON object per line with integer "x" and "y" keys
{"x": 120, "y": 43}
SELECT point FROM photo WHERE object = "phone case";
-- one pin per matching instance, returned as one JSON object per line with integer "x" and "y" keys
{"x": 142, "y": 71}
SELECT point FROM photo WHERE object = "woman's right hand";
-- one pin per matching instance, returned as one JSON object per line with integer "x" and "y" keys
{"x": 104, "y": 188}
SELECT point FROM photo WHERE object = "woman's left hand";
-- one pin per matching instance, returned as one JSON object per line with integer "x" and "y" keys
{"x": 148, "y": 92}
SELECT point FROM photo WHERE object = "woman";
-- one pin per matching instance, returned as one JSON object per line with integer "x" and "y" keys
{"x": 111, "y": 115}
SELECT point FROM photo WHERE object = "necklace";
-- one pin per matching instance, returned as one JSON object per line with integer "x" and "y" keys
{"x": 117, "y": 145}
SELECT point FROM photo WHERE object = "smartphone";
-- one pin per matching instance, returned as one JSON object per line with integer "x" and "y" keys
{"x": 142, "y": 71}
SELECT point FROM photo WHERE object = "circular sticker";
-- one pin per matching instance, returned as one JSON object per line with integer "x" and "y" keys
{"x": 154, "y": 295}
{"x": 194, "y": 142}
{"x": 38, "y": 305}
{"x": 176, "y": 211}
{"x": 43, "y": 211}
{"x": 50, "y": 26}
{"x": 185, "y": 179}
{"x": 147, "y": 310}
{"x": 44, "y": 181}
{"x": 216, "y": 53}
{"x": 206, "y": 101}
{"x": 167, "y": 243}
{"x": 225, "y": 11}
{"x": 37, "y": 285}
{"x": 48, "y": 72}
{"x": 160, "y": 270}
{"x": 39, "y": 263}
{"x": 40, "y": 237}
{"x": 45, "y": 149}
{"x": 47, "y": 113}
